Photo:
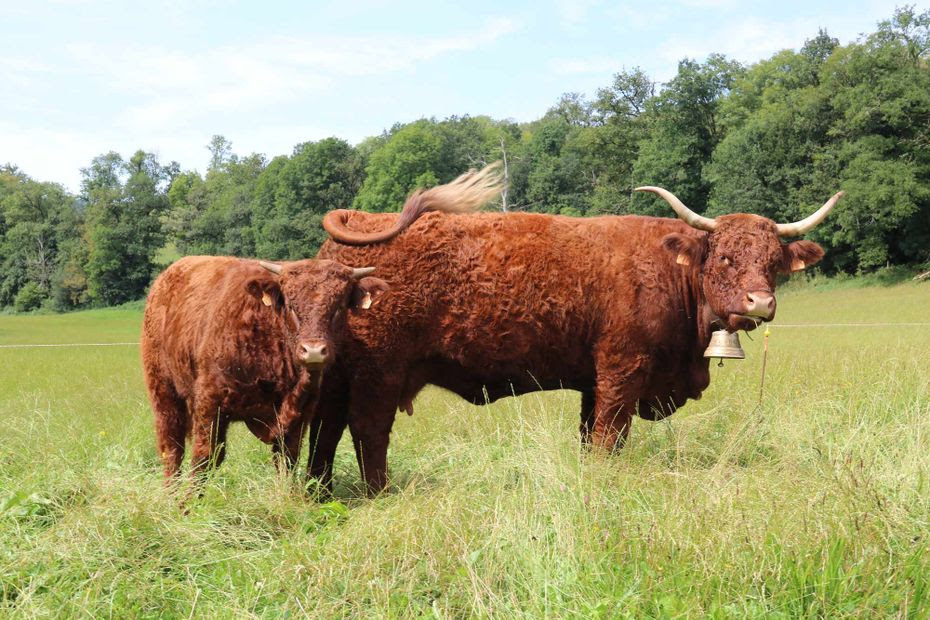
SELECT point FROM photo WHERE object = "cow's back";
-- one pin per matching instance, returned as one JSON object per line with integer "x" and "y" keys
{"x": 500, "y": 296}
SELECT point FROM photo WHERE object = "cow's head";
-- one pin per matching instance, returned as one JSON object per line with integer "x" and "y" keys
{"x": 739, "y": 258}
{"x": 313, "y": 296}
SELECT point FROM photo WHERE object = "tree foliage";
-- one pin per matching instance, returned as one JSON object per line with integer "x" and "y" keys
{"x": 125, "y": 204}
{"x": 40, "y": 227}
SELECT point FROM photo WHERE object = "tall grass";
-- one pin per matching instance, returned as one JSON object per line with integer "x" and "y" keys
{"x": 814, "y": 502}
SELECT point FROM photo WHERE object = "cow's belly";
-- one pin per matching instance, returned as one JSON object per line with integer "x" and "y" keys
{"x": 479, "y": 385}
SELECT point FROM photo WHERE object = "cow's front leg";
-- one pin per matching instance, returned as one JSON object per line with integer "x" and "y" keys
{"x": 613, "y": 417}
{"x": 296, "y": 405}
{"x": 326, "y": 428}
{"x": 286, "y": 448}
{"x": 616, "y": 393}
{"x": 208, "y": 441}
{"x": 370, "y": 436}
{"x": 372, "y": 407}
{"x": 290, "y": 424}
{"x": 325, "y": 432}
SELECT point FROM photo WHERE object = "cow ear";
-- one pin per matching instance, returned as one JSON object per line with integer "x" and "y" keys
{"x": 268, "y": 292}
{"x": 687, "y": 250}
{"x": 367, "y": 291}
{"x": 799, "y": 255}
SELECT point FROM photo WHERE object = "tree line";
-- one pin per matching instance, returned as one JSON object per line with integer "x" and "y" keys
{"x": 774, "y": 138}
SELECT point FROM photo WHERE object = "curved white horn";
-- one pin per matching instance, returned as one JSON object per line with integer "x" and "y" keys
{"x": 272, "y": 267}
{"x": 360, "y": 272}
{"x": 796, "y": 229}
{"x": 687, "y": 215}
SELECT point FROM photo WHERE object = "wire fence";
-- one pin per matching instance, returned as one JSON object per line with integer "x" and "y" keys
{"x": 67, "y": 344}
{"x": 777, "y": 325}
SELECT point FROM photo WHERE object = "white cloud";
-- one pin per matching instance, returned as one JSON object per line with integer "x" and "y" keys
{"x": 573, "y": 12}
{"x": 713, "y": 4}
{"x": 48, "y": 155}
{"x": 629, "y": 18}
{"x": 170, "y": 102}
{"x": 19, "y": 72}
{"x": 583, "y": 66}
{"x": 746, "y": 40}
{"x": 174, "y": 89}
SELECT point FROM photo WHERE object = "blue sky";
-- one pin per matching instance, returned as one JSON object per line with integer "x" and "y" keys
{"x": 81, "y": 77}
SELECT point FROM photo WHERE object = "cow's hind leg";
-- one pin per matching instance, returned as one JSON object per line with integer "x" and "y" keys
{"x": 587, "y": 416}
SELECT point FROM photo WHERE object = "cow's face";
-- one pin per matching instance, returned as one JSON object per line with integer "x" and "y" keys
{"x": 739, "y": 261}
{"x": 739, "y": 258}
{"x": 313, "y": 297}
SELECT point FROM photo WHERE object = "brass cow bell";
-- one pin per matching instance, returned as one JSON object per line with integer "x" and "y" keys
{"x": 724, "y": 345}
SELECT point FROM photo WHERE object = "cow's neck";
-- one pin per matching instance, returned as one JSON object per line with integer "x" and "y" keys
{"x": 701, "y": 312}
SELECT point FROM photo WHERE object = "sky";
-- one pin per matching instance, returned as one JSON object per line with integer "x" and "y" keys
{"x": 79, "y": 78}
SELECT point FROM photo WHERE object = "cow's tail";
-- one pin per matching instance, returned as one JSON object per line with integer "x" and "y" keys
{"x": 467, "y": 193}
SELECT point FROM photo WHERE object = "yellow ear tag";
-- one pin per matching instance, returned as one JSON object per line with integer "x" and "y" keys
{"x": 366, "y": 302}
{"x": 266, "y": 299}
{"x": 797, "y": 264}
{"x": 683, "y": 259}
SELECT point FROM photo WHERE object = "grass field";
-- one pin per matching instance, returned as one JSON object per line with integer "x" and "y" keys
{"x": 816, "y": 503}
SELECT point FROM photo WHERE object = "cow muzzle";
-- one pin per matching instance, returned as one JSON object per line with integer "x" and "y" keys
{"x": 759, "y": 304}
{"x": 312, "y": 354}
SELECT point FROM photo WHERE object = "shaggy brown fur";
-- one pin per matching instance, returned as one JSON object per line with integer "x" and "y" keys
{"x": 224, "y": 339}
{"x": 492, "y": 304}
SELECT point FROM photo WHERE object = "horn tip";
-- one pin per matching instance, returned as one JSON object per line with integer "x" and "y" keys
{"x": 361, "y": 272}
{"x": 272, "y": 267}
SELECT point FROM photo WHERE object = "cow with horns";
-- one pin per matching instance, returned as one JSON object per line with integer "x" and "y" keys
{"x": 488, "y": 305}
{"x": 226, "y": 339}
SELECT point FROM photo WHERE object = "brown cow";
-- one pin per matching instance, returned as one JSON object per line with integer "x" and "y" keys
{"x": 488, "y": 305}
{"x": 227, "y": 339}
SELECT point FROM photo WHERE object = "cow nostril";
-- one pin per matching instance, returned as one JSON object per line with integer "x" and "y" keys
{"x": 760, "y": 304}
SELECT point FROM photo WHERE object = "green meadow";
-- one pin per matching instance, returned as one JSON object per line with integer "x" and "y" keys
{"x": 814, "y": 502}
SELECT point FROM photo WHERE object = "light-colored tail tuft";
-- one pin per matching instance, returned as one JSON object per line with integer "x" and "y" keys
{"x": 467, "y": 193}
